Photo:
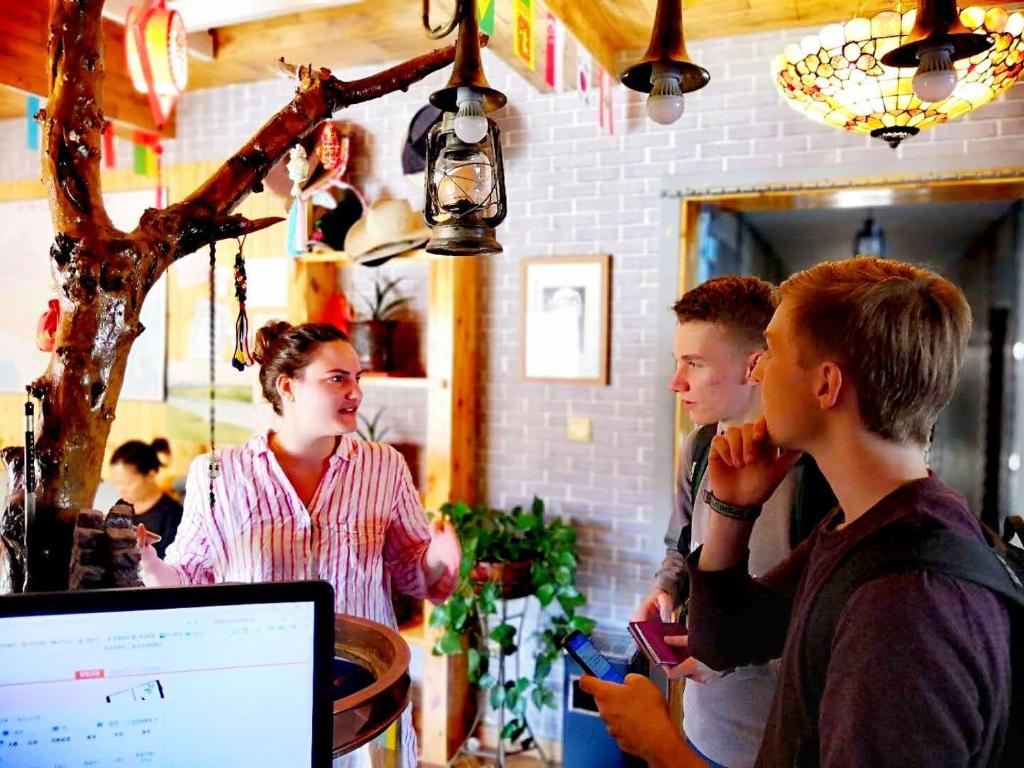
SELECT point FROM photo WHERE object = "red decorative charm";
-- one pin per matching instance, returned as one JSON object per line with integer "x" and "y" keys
{"x": 46, "y": 330}
{"x": 328, "y": 148}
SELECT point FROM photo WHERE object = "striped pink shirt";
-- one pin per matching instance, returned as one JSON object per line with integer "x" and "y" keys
{"x": 364, "y": 530}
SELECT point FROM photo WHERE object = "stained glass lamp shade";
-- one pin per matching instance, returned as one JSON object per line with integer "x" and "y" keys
{"x": 836, "y": 76}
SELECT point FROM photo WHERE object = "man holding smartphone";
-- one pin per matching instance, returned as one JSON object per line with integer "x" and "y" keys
{"x": 862, "y": 356}
{"x": 718, "y": 341}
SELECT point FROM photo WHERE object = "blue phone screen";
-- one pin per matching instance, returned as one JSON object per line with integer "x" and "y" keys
{"x": 591, "y": 659}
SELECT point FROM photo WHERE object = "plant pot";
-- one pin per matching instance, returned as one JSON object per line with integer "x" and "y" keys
{"x": 372, "y": 342}
{"x": 513, "y": 579}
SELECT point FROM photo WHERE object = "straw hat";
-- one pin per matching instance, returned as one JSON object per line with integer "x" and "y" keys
{"x": 388, "y": 229}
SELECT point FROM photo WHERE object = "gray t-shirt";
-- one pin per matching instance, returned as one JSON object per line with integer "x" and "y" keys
{"x": 725, "y": 717}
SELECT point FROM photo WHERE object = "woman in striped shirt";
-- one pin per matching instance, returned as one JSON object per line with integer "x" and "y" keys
{"x": 308, "y": 501}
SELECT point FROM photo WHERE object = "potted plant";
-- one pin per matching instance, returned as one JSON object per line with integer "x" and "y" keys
{"x": 513, "y": 554}
{"x": 371, "y": 337}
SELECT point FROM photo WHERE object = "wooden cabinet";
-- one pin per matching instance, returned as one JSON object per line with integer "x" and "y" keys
{"x": 449, "y": 450}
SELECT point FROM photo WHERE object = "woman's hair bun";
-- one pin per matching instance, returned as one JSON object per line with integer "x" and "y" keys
{"x": 267, "y": 336}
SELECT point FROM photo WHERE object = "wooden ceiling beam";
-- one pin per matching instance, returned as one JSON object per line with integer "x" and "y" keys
{"x": 23, "y": 63}
{"x": 347, "y": 36}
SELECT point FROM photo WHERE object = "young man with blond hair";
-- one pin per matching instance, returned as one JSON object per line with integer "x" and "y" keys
{"x": 719, "y": 338}
{"x": 862, "y": 356}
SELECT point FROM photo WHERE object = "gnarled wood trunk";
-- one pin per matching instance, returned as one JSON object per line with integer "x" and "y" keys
{"x": 104, "y": 274}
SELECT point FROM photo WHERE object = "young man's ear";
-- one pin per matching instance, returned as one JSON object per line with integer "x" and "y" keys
{"x": 829, "y": 385}
{"x": 752, "y": 360}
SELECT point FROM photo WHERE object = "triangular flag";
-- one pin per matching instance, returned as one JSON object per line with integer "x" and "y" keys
{"x": 605, "y": 108}
{"x": 524, "y": 42}
{"x": 485, "y": 13}
{"x": 109, "y": 157}
{"x": 32, "y": 128}
{"x": 584, "y": 73}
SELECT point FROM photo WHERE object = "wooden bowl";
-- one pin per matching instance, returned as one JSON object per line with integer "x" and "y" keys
{"x": 362, "y": 716}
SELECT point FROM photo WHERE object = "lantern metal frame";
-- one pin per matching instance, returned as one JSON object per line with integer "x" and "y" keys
{"x": 469, "y": 232}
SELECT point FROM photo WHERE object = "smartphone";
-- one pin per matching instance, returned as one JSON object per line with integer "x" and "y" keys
{"x": 584, "y": 653}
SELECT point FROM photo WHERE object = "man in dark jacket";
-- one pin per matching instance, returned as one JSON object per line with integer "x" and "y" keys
{"x": 862, "y": 356}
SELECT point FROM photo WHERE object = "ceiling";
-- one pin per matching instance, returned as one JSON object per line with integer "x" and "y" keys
{"x": 250, "y": 35}
{"x": 934, "y": 234}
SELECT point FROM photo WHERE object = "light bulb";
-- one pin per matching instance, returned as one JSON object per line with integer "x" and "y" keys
{"x": 935, "y": 78}
{"x": 665, "y": 102}
{"x": 470, "y": 122}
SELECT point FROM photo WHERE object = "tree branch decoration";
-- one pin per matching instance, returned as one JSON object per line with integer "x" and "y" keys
{"x": 104, "y": 274}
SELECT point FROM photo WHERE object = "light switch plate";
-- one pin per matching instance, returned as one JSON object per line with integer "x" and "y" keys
{"x": 579, "y": 429}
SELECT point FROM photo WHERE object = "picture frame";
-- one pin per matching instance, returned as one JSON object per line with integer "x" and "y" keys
{"x": 564, "y": 319}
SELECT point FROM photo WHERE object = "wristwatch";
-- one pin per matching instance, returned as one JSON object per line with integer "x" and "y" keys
{"x": 743, "y": 514}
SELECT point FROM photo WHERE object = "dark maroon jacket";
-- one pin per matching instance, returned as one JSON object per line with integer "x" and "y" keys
{"x": 920, "y": 667}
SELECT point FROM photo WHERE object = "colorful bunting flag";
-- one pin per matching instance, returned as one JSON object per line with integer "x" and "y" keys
{"x": 109, "y": 157}
{"x": 605, "y": 107}
{"x": 485, "y": 13}
{"x": 33, "y": 131}
{"x": 584, "y": 73}
{"x": 554, "y": 52}
{"x": 524, "y": 42}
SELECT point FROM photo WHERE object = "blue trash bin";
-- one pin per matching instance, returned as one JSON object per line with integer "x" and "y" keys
{"x": 586, "y": 742}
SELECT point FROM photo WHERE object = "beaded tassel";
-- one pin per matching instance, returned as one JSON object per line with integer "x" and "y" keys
{"x": 243, "y": 355}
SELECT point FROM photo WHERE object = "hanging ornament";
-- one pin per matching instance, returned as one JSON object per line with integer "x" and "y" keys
{"x": 156, "y": 51}
{"x": 214, "y": 466}
{"x": 328, "y": 148}
{"x": 46, "y": 328}
{"x": 109, "y": 152}
{"x": 243, "y": 355}
{"x": 298, "y": 172}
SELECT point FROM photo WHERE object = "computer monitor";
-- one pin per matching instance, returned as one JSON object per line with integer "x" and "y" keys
{"x": 218, "y": 676}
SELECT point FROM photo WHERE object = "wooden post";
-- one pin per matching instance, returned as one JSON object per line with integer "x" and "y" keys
{"x": 452, "y": 367}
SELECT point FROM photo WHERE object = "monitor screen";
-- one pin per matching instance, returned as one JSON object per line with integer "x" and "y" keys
{"x": 202, "y": 685}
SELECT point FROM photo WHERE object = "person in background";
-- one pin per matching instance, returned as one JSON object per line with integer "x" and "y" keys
{"x": 309, "y": 501}
{"x": 719, "y": 339}
{"x": 133, "y": 470}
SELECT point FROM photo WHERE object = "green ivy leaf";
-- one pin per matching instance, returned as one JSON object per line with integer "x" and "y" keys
{"x": 497, "y": 697}
{"x": 486, "y": 681}
{"x": 473, "y": 664}
{"x": 545, "y": 594}
{"x": 503, "y": 634}
{"x": 570, "y": 598}
{"x": 451, "y": 643}
{"x": 583, "y": 624}
{"x": 513, "y": 730}
{"x": 563, "y": 575}
{"x": 567, "y": 558}
{"x": 537, "y": 697}
{"x": 439, "y": 616}
{"x": 541, "y": 670}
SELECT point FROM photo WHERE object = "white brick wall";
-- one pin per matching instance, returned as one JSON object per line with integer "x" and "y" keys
{"x": 574, "y": 190}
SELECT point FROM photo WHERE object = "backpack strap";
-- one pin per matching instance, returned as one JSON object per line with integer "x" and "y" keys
{"x": 699, "y": 457}
{"x": 896, "y": 549}
{"x": 814, "y": 501}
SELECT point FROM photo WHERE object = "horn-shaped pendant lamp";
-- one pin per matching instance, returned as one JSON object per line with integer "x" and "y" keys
{"x": 666, "y": 71}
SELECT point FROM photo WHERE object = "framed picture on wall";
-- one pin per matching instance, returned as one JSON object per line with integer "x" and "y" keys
{"x": 563, "y": 318}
